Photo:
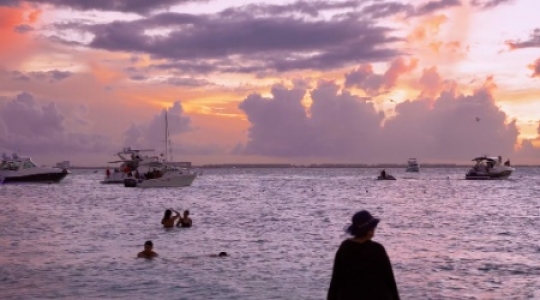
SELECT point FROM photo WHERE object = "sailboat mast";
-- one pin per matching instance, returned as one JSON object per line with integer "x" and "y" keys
{"x": 166, "y": 136}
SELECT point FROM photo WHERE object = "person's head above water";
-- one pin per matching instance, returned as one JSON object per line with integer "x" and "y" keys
{"x": 222, "y": 254}
{"x": 362, "y": 224}
{"x": 186, "y": 213}
{"x": 147, "y": 252}
{"x": 168, "y": 214}
{"x": 148, "y": 246}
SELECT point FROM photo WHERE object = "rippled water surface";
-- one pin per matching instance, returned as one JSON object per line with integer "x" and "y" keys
{"x": 447, "y": 238}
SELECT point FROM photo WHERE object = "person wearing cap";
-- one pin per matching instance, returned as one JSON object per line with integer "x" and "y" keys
{"x": 362, "y": 269}
{"x": 147, "y": 253}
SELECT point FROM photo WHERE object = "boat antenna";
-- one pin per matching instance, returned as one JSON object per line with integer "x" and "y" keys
{"x": 166, "y": 135}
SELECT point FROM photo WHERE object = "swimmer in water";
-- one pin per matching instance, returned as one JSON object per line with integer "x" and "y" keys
{"x": 168, "y": 221}
{"x": 185, "y": 221}
{"x": 221, "y": 254}
{"x": 147, "y": 252}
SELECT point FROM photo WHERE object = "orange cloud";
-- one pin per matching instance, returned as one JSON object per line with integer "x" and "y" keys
{"x": 429, "y": 28}
{"x": 439, "y": 39}
{"x": 12, "y": 41}
{"x": 489, "y": 84}
{"x": 535, "y": 67}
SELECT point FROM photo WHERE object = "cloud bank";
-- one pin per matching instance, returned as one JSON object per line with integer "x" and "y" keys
{"x": 135, "y": 6}
{"x": 337, "y": 124}
{"x": 35, "y": 128}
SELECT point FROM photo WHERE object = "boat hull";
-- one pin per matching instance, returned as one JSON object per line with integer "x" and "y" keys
{"x": 43, "y": 177}
{"x": 491, "y": 176}
{"x": 412, "y": 170}
{"x": 165, "y": 181}
{"x": 498, "y": 176}
{"x": 388, "y": 177}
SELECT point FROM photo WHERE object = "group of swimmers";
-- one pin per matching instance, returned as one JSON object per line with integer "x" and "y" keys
{"x": 169, "y": 220}
{"x": 362, "y": 268}
{"x": 149, "y": 252}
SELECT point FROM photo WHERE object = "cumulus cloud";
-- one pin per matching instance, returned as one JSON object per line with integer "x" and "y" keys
{"x": 431, "y": 84}
{"x": 535, "y": 67}
{"x": 339, "y": 125}
{"x": 136, "y": 6}
{"x": 32, "y": 127}
{"x": 452, "y": 127}
{"x": 364, "y": 77}
{"x": 152, "y": 134}
{"x": 343, "y": 124}
{"x": 532, "y": 42}
{"x": 279, "y": 125}
{"x": 232, "y": 42}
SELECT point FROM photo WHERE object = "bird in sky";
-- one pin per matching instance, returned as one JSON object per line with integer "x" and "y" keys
{"x": 477, "y": 119}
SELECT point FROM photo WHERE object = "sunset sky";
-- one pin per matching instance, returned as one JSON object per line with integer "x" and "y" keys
{"x": 341, "y": 81}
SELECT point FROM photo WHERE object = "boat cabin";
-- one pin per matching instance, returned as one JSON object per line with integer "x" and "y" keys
{"x": 15, "y": 163}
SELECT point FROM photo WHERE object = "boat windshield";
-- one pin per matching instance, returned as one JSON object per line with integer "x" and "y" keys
{"x": 29, "y": 164}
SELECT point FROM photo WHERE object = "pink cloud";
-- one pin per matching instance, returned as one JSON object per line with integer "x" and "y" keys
{"x": 364, "y": 77}
{"x": 535, "y": 67}
{"x": 32, "y": 127}
{"x": 340, "y": 125}
{"x": 152, "y": 134}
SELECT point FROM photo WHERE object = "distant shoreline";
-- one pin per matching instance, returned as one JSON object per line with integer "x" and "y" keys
{"x": 315, "y": 166}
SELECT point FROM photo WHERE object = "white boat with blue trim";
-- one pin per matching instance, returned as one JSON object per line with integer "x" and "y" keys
{"x": 18, "y": 169}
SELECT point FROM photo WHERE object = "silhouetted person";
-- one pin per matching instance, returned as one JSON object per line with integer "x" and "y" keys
{"x": 362, "y": 269}
{"x": 147, "y": 252}
{"x": 507, "y": 163}
{"x": 221, "y": 254}
{"x": 185, "y": 221}
{"x": 383, "y": 174}
{"x": 168, "y": 220}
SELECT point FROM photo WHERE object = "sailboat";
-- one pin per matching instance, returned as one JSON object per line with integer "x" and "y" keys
{"x": 165, "y": 174}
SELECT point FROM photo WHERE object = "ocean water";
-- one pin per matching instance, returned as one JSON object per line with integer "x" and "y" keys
{"x": 447, "y": 238}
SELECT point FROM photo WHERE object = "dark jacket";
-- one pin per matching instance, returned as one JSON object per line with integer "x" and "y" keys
{"x": 362, "y": 271}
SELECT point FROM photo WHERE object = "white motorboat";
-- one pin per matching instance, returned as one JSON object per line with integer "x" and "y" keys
{"x": 172, "y": 177}
{"x": 412, "y": 166}
{"x": 163, "y": 172}
{"x": 21, "y": 169}
{"x": 136, "y": 163}
{"x": 489, "y": 168}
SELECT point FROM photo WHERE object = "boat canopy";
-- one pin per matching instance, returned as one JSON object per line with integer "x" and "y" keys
{"x": 482, "y": 158}
{"x": 14, "y": 158}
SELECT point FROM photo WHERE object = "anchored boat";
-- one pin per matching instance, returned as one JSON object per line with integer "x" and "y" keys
{"x": 489, "y": 168}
